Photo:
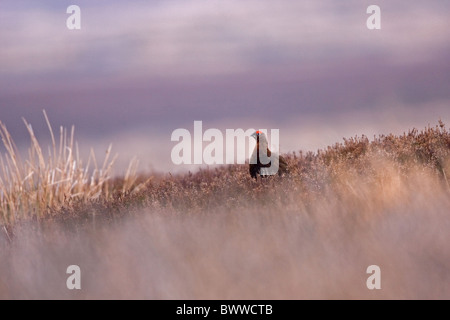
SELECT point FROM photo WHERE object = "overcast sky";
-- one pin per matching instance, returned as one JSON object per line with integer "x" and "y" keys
{"x": 137, "y": 70}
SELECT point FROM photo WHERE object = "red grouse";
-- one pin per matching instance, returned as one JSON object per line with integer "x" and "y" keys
{"x": 265, "y": 163}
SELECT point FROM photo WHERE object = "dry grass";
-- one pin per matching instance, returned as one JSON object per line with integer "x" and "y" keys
{"x": 219, "y": 234}
{"x": 44, "y": 182}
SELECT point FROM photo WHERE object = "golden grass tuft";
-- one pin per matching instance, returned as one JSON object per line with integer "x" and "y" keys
{"x": 46, "y": 181}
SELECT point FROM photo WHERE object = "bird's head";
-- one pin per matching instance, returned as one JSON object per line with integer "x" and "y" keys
{"x": 260, "y": 138}
{"x": 257, "y": 134}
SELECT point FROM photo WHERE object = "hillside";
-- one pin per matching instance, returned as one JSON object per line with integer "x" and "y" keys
{"x": 219, "y": 234}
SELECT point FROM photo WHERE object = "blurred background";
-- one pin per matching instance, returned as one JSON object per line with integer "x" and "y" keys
{"x": 138, "y": 70}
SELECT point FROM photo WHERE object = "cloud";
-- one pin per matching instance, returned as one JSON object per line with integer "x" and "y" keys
{"x": 211, "y": 37}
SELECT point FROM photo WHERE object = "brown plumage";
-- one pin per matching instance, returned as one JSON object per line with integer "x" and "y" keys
{"x": 265, "y": 166}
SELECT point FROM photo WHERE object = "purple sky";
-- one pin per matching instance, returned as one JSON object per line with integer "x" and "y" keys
{"x": 137, "y": 70}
